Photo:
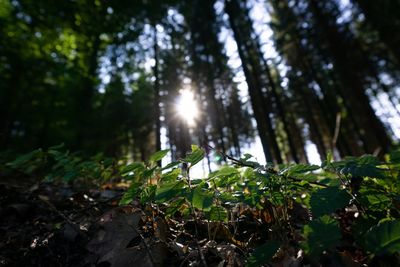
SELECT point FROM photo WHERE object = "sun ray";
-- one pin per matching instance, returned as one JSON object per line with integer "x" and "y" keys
{"x": 186, "y": 107}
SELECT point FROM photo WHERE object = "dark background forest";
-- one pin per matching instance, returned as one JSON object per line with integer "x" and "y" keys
{"x": 105, "y": 76}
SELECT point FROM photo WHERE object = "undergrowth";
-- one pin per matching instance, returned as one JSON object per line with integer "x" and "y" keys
{"x": 348, "y": 208}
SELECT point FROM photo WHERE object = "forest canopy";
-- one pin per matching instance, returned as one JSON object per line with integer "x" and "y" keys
{"x": 107, "y": 76}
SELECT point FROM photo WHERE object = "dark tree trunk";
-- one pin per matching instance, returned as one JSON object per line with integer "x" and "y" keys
{"x": 242, "y": 29}
{"x": 157, "y": 122}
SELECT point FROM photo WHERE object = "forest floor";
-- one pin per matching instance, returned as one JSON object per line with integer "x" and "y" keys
{"x": 77, "y": 225}
{"x": 52, "y": 225}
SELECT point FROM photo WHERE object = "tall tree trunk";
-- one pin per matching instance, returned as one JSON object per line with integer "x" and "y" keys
{"x": 157, "y": 122}
{"x": 85, "y": 96}
{"x": 372, "y": 131}
{"x": 242, "y": 29}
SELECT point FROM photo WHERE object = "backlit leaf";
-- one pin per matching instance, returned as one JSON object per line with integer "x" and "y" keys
{"x": 159, "y": 155}
{"x": 195, "y": 156}
{"x": 168, "y": 191}
{"x": 202, "y": 199}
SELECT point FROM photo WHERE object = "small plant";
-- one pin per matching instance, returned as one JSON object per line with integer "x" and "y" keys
{"x": 58, "y": 164}
{"x": 353, "y": 204}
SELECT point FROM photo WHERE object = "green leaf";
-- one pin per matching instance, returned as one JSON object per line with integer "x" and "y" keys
{"x": 328, "y": 200}
{"x": 320, "y": 235}
{"x": 57, "y": 147}
{"x": 217, "y": 214}
{"x": 225, "y": 171}
{"x": 365, "y": 166}
{"x": 174, "y": 206}
{"x": 26, "y": 158}
{"x": 130, "y": 194}
{"x": 133, "y": 167}
{"x": 170, "y": 176}
{"x": 227, "y": 197}
{"x": 168, "y": 191}
{"x": 263, "y": 254}
{"x": 374, "y": 200}
{"x": 195, "y": 156}
{"x": 202, "y": 199}
{"x": 297, "y": 169}
{"x": 159, "y": 155}
{"x": 148, "y": 194}
{"x": 277, "y": 198}
{"x": 170, "y": 165}
{"x": 226, "y": 176}
{"x": 383, "y": 238}
{"x": 245, "y": 160}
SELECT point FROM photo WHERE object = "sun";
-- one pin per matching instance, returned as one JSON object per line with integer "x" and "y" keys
{"x": 186, "y": 107}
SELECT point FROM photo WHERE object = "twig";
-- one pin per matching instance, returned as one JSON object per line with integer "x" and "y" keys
{"x": 203, "y": 259}
{"x": 337, "y": 130}
{"x": 310, "y": 182}
{"x": 244, "y": 164}
{"x": 145, "y": 244}
{"x": 195, "y": 222}
{"x": 75, "y": 227}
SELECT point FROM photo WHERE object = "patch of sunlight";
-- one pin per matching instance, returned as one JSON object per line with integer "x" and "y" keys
{"x": 186, "y": 107}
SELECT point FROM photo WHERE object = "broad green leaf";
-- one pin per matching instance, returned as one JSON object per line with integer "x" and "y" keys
{"x": 57, "y": 147}
{"x": 374, "y": 200}
{"x": 217, "y": 214}
{"x": 328, "y": 200}
{"x": 148, "y": 194}
{"x": 26, "y": 158}
{"x": 226, "y": 176}
{"x": 248, "y": 173}
{"x": 171, "y": 175}
{"x": 174, "y": 206}
{"x": 246, "y": 156}
{"x": 148, "y": 173}
{"x": 225, "y": 171}
{"x": 245, "y": 160}
{"x": 330, "y": 181}
{"x": 320, "y": 235}
{"x": 170, "y": 165}
{"x": 277, "y": 198}
{"x": 130, "y": 194}
{"x": 168, "y": 191}
{"x": 365, "y": 166}
{"x": 297, "y": 169}
{"x": 195, "y": 156}
{"x": 201, "y": 199}
{"x": 263, "y": 254}
{"x": 133, "y": 167}
{"x": 227, "y": 197}
{"x": 159, "y": 155}
{"x": 383, "y": 238}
